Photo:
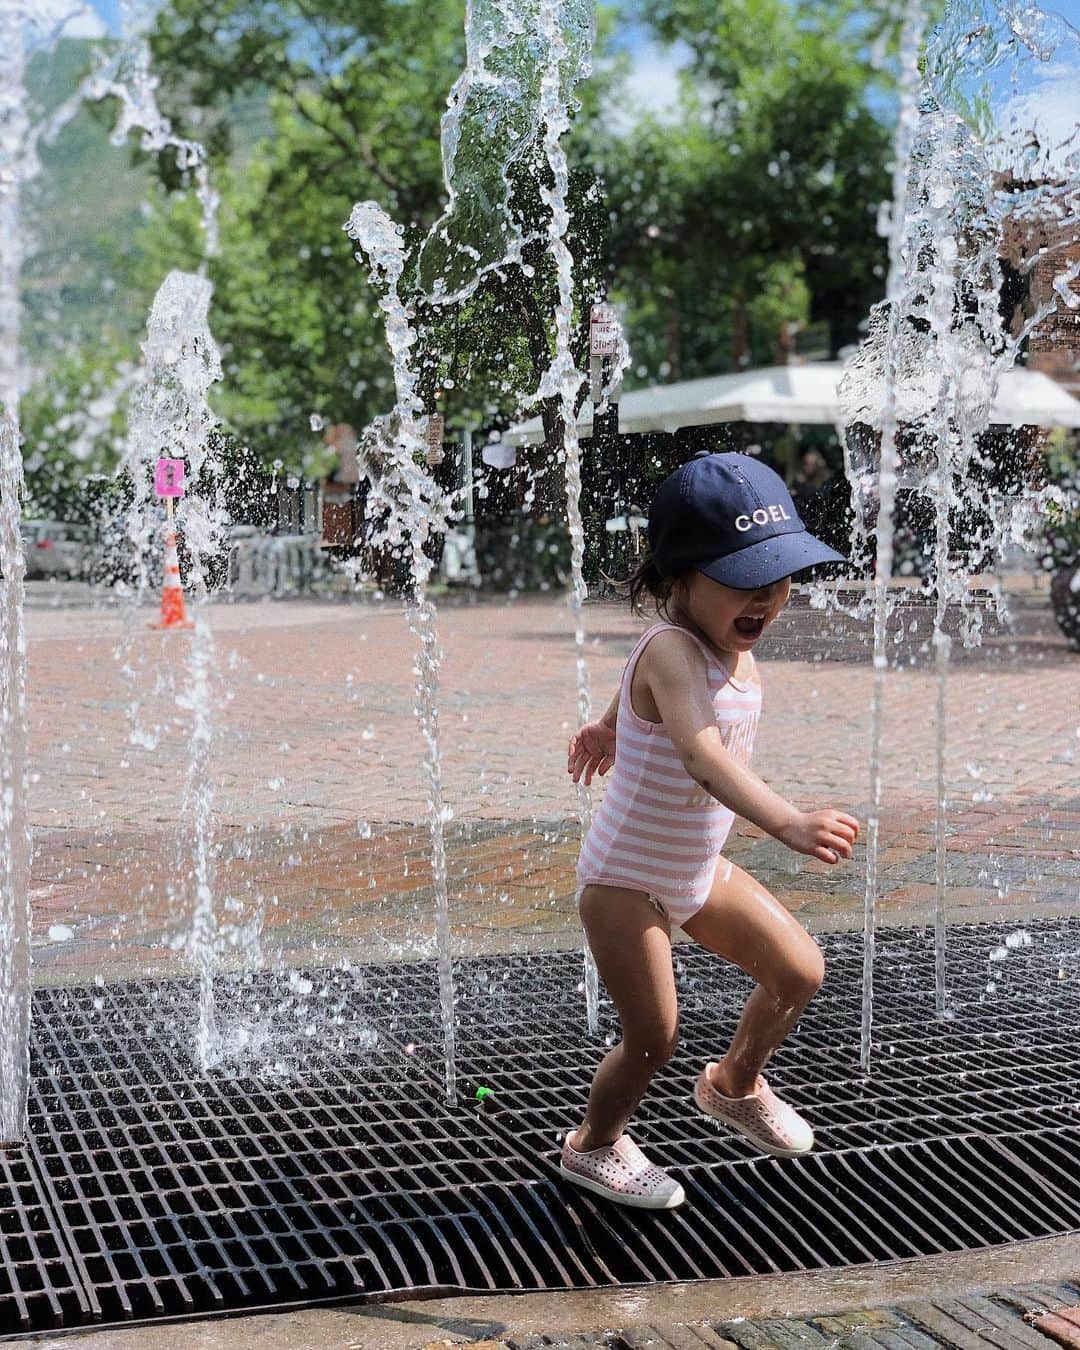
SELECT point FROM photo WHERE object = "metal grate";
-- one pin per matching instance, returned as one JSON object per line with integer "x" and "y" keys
{"x": 41, "y": 1283}
{"x": 147, "y": 1189}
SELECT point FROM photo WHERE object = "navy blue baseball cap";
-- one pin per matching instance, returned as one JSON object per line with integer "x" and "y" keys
{"x": 731, "y": 517}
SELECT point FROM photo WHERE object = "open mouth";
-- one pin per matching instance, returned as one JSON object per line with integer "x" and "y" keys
{"x": 750, "y": 625}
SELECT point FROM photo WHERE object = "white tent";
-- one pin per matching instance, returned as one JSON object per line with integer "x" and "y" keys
{"x": 798, "y": 394}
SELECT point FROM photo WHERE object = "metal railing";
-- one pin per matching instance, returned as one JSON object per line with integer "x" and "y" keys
{"x": 277, "y": 565}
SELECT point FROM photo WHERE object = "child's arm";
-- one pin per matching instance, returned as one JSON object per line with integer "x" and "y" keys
{"x": 592, "y": 749}
{"x": 675, "y": 672}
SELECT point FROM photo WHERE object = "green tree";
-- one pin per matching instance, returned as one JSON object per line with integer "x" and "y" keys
{"x": 73, "y": 428}
{"x": 354, "y": 95}
{"x": 774, "y": 169}
{"x": 719, "y": 229}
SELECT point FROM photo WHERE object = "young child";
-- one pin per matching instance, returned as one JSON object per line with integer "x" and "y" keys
{"x": 724, "y": 542}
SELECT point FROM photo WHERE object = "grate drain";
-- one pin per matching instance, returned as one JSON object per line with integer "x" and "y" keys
{"x": 147, "y": 1190}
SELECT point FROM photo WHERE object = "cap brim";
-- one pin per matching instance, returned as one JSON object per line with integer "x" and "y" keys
{"x": 769, "y": 561}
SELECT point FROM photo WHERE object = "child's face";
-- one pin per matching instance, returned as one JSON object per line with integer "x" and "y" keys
{"x": 733, "y": 620}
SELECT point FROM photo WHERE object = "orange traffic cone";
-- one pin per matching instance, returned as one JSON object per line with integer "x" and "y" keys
{"x": 172, "y": 590}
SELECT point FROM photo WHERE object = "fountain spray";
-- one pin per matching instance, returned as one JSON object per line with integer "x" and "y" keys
{"x": 170, "y": 415}
{"x": 964, "y": 171}
{"x": 19, "y": 22}
{"x": 976, "y": 146}
{"x": 14, "y": 828}
{"x": 497, "y": 110}
{"x": 911, "y": 37}
{"x": 417, "y": 510}
{"x": 563, "y": 380}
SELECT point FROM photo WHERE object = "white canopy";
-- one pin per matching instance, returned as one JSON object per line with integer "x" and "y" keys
{"x": 797, "y": 394}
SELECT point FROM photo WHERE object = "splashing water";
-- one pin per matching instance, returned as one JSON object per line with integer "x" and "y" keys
{"x": 199, "y": 819}
{"x": 171, "y": 416}
{"x": 21, "y": 26}
{"x": 924, "y": 382}
{"x": 415, "y": 509}
{"x": 489, "y": 132}
{"x": 126, "y": 75}
{"x": 979, "y": 136}
{"x": 886, "y": 488}
{"x": 929, "y": 372}
{"x": 498, "y": 108}
{"x": 524, "y": 60}
{"x": 14, "y": 827}
{"x": 563, "y": 379}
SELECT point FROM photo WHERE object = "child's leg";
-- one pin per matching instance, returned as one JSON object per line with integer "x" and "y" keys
{"x": 631, "y": 942}
{"x": 742, "y": 921}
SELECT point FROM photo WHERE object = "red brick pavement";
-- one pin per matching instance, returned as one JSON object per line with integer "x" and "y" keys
{"x": 319, "y": 799}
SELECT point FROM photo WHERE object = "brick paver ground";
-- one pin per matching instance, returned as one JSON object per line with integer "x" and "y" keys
{"x": 1023, "y": 1317}
{"x": 318, "y": 807}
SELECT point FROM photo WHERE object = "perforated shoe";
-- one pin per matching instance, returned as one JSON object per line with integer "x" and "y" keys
{"x": 772, "y": 1125}
{"x": 621, "y": 1172}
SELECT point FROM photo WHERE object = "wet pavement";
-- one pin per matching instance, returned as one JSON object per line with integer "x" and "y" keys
{"x": 320, "y": 846}
{"x": 321, "y": 853}
{"x": 858, "y": 1296}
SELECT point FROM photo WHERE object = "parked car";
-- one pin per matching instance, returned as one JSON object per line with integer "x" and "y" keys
{"x": 56, "y": 548}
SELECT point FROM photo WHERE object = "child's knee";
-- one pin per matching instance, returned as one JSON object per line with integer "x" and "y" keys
{"x": 656, "y": 1045}
{"x": 802, "y": 977}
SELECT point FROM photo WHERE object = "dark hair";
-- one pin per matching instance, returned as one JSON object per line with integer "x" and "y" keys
{"x": 647, "y": 578}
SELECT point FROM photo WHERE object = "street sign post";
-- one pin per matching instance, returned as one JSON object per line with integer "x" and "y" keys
{"x": 436, "y": 427}
{"x": 604, "y": 332}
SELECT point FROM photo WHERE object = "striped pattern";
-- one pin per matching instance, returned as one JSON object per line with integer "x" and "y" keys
{"x": 171, "y": 580}
{"x": 656, "y": 830}
{"x": 173, "y": 614}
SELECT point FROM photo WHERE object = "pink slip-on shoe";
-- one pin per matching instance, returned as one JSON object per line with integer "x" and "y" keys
{"x": 621, "y": 1172}
{"x": 773, "y": 1125}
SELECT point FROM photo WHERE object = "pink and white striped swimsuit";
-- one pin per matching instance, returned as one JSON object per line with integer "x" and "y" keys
{"x": 656, "y": 829}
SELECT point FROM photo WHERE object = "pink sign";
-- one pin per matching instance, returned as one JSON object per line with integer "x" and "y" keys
{"x": 169, "y": 478}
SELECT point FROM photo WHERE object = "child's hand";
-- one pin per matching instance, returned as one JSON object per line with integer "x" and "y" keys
{"x": 591, "y": 751}
{"x": 828, "y": 835}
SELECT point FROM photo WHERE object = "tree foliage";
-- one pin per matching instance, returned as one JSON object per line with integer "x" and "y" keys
{"x": 354, "y": 96}
{"x": 768, "y": 183}
{"x": 719, "y": 229}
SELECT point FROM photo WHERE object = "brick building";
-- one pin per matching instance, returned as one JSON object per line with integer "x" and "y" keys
{"x": 1053, "y": 241}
